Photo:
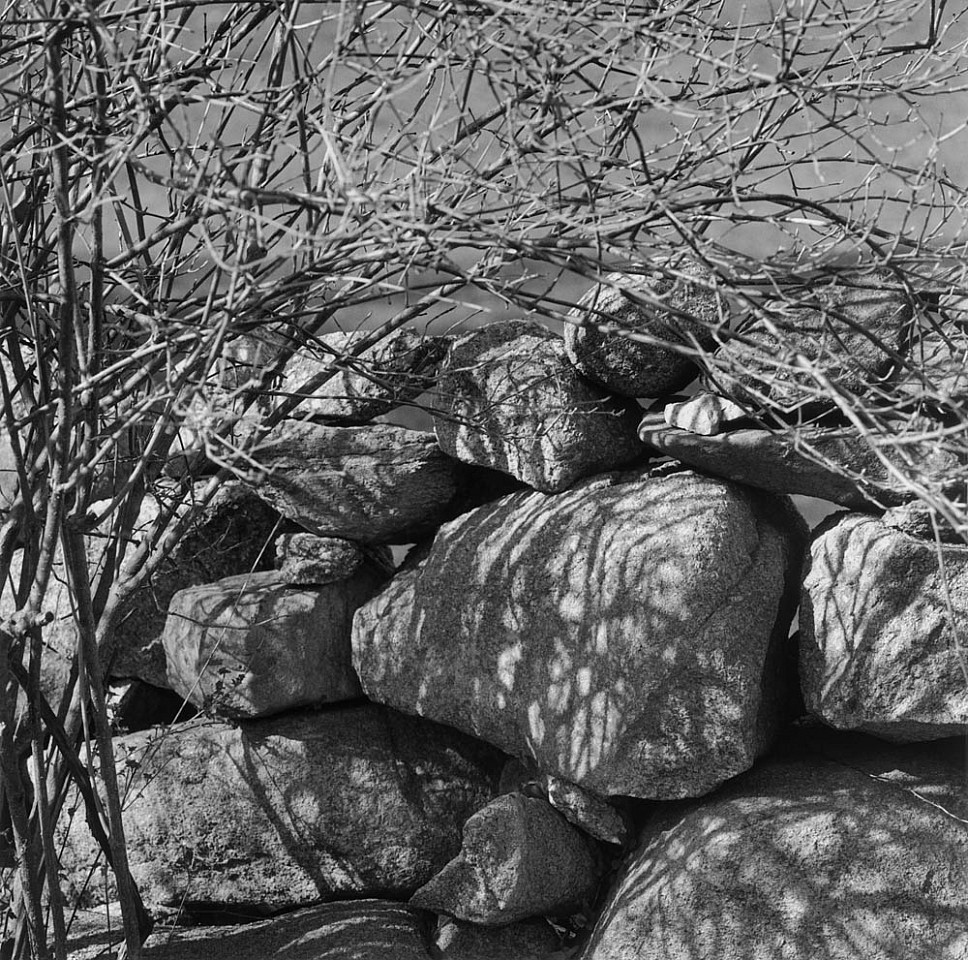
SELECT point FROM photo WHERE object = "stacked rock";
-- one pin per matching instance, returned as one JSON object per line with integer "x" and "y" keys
{"x": 571, "y": 719}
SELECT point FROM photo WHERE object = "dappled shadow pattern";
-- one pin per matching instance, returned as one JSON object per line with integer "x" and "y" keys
{"x": 616, "y": 633}
{"x": 879, "y": 651}
{"x": 802, "y": 859}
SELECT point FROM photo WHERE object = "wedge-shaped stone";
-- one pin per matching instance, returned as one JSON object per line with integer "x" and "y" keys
{"x": 252, "y": 645}
{"x": 624, "y": 634}
{"x": 833, "y": 464}
{"x": 510, "y": 399}
{"x": 520, "y": 858}
{"x": 882, "y": 630}
{"x": 860, "y": 856}
{"x": 375, "y": 484}
{"x": 341, "y": 803}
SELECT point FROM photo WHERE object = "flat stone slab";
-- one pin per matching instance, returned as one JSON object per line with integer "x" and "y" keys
{"x": 372, "y": 484}
{"x": 882, "y": 631}
{"x": 851, "y": 854}
{"x": 775, "y": 462}
{"x": 625, "y": 635}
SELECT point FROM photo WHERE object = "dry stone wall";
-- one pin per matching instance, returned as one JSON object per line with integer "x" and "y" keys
{"x": 570, "y": 723}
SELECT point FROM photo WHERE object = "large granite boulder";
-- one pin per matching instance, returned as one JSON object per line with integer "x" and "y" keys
{"x": 850, "y": 328}
{"x": 252, "y": 645}
{"x": 520, "y": 858}
{"x": 343, "y": 803}
{"x": 858, "y": 855}
{"x": 390, "y": 373}
{"x": 625, "y": 634}
{"x": 509, "y": 399}
{"x": 882, "y": 631}
{"x": 374, "y": 484}
{"x": 650, "y": 311}
{"x": 835, "y": 464}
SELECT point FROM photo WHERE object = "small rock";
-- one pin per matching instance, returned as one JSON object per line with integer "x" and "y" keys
{"x": 671, "y": 309}
{"x": 597, "y": 817}
{"x": 519, "y": 859}
{"x": 392, "y": 372}
{"x": 374, "y": 484}
{"x": 706, "y": 414}
{"x": 305, "y": 806}
{"x": 844, "y": 468}
{"x": 918, "y": 519}
{"x": 509, "y": 399}
{"x": 882, "y": 627}
{"x": 305, "y": 559}
{"x": 251, "y": 645}
{"x": 525, "y": 940}
{"x": 851, "y": 858}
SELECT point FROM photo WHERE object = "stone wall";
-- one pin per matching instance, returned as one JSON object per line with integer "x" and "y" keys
{"x": 577, "y": 720}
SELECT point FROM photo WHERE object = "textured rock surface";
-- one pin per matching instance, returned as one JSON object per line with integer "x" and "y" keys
{"x": 674, "y": 310}
{"x": 519, "y": 858}
{"x": 251, "y": 646}
{"x": 597, "y": 817}
{"x": 526, "y": 940}
{"x": 376, "y": 484}
{"x": 231, "y": 535}
{"x": 847, "y": 328}
{"x": 706, "y": 414}
{"x": 359, "y": 930}
{"x": 879, "y": 651}
{"x": 509, "y": 399}
{"x": 856, "y": 857}
{"x": 919, "y": 520}
{"x": 304, "y": 558}
{"x": 773, "y": 462}
{"x": 942, "y": 357}
{"x": 341, "y": 803}
{"x": 394, "y": 371}
{"x": 617, "y": 633}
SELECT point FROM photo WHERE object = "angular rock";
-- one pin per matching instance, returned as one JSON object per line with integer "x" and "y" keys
{"x": 304, "y": 558}
{"x": 780, "y": 464}
{"x": 232, "y": 534}
{"x": 526, "y": 940}
{"x": 706, "y": 414}
{"x": 624, "y": 634}
{"x": 282, "y": 812}
{"x": 392, "y": 372}
{"x": 358, "y": 930}
{"x": 882, "y": 628}
{"x": 847, "y": 328}
{"x": 519, "y": 859}
{"x": 918, "y": 519}
{"x": 663, "y": 308}
{"x": 229, "y": 536}
{"x": 252, "y": 645}
{"x": 375, "y": 484}
{"x": 509, "y": 399}
{"x": 851, "y": 858}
